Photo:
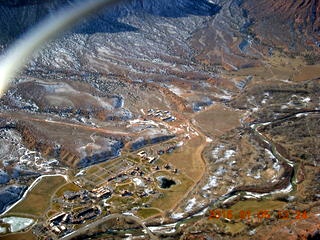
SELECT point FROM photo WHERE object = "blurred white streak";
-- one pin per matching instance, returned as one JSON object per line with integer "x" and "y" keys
{"x": 17, "y": 55}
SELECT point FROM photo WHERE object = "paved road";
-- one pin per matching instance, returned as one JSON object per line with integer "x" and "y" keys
{"x": 104, "y": 219}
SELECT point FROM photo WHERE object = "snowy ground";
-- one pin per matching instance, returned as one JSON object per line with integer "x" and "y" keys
{"x": 18, "y": 223}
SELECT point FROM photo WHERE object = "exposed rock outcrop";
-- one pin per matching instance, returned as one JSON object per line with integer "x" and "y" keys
{"x": 10, "y": 195}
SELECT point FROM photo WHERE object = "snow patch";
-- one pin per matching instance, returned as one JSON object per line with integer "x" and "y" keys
{"x": 175, "y": 90}
{"x": 220, "y": 171}
{"x": 191, "y": 204}
{"x": 269, "y": 153}
{"x": 169, "y": 228}
{"x": 258, "y": 176}
{"x": 180, "y": 144}
{"x": 302, "y": 114}
{"x": 138, "y": 182}
{"x": 201, "y": 213}
{"x": 211, "y": 184}
{"x": 217, "y": 150}
{"x": 18, "y": 223}
{"x": 288, "y": 189}
{"x": 228, "y": 154}
{"x": 306, "y": 100}
{"x": 177, "y": 215}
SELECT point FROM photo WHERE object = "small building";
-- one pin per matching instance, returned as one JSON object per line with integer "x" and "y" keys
{"x": 85, "y": 214}
{"x": 168, "y": 119}
{"x": 56, "y": 230}
{"x": 142, "y": 154}
{"x": 63, "y": 228}
{"x": 69, "y": 195}
{"x": 151, "y": 159}
{"x": 170, "y": 149}
{"x": 58, "y": 219}
{"x": 167, "y": 166}
{"x": 160, "y": 152}
{"x": 102, "y": 192}
{"x": 144, "y": 194}
{"x": 126, "y": 193}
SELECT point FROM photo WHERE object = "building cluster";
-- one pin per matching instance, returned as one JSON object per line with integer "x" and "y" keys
{"x": 162, "y": 115}
{"x": 58, "y": 223}
{"x": 85, "y": 196}
{"x": 151, "y": 159}
{"x": 102, "y": 192}
{"x": 168, "y": 150}
{"x": 70, "y": 195}
{"x": 61, "y": 222}
{"x": 119, "y": 177}
{"x": 145, "y": 156}
{"x": 166, "y": 167}
{"x": 84, "y": 214}
{"x": 137, "y": 172}
{"x": 64, "y": 222}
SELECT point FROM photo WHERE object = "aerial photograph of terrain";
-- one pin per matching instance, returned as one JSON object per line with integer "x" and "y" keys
{"x": 160, "y": 119}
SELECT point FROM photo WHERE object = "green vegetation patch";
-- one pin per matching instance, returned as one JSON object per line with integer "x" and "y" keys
{"x": 147, "y": 212}
{"x": 38, "y": 199}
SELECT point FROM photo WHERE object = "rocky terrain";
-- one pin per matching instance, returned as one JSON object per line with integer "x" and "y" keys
{"x": 296, "y": 30}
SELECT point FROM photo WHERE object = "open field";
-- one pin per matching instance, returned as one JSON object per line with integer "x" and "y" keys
{"x": 147, "y": 212}
{"x": 280, "y": 67}
{"x": 170, "y": 197}
{"x": 307, "y": 73}
{"x": 20, "y": 236}
{"x": 38, "y": 199}
{"x": 276, "y": 67}
{"x": 187, "y": 158}
{"x": 218, "y": 119}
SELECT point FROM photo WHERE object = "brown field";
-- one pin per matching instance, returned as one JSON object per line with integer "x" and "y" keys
{"x": 307, "y": 73}
{"x": 19, "y": 236}
{"x": 280, "y": 67}
{"x": 218, "y": 119}
{"x": 188, "y": 158}
{"x": 170, "y": 197}
{"x": 38, "y": 199}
